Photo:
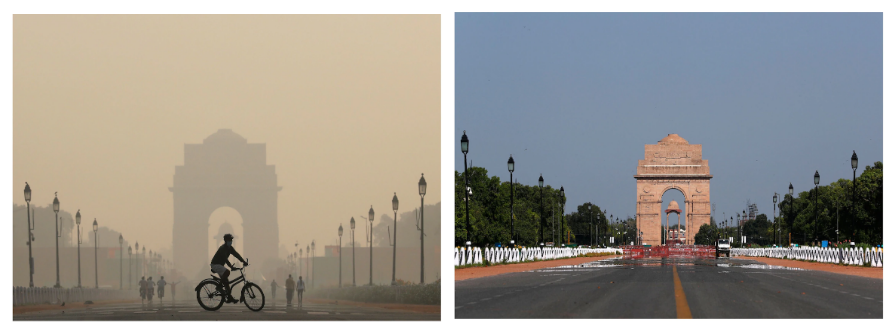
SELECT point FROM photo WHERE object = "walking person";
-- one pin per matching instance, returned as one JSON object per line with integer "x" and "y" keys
{"x": 173, "y": 290}
{"x": 300, "y": 292}
{"x": 150, "y": 289}
{"x": 289, "y": 289}
{"x": 161, "y": 284}
{"x": 142, "y": 289}
{"x": 273, "y": 286}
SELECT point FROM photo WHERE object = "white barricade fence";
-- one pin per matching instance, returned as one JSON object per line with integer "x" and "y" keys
{"x": 43, "y": 295}
{"x": 495, "y": 255}
{"x": 848, "y": 256}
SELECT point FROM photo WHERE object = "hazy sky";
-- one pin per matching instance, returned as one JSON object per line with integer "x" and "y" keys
{"x": 348, "y": 106}
{"x": 771, "y": 97}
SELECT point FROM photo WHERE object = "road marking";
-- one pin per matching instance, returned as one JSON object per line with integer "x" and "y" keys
{"x": 681, "y": 302}
{"x": 143, "y": 312}
{"x": 317, "y": 313}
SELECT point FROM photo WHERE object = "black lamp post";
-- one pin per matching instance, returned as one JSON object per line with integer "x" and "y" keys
{"x": 30, "y": 235}
{"x": 738, "y": 228}
{"x": 590, "y": 221}
{"x": 464, "y": 150}
{"x": 371, "y": 227}
{"x": 792, "y": 216}
{"x": 541, "y": 212}
{"x": 396, "y": 205}
{"x": 422, "y": 190}
{"x": 137, "y": 258}
{"x": 77, "y": 219}
{"x": 96, "y": 250}
{"x": 854, "y": 170}
{"x": 129, "y": 268}
{"x": 817, "y": 181}
{"x": 511, "y": 178}
{"x": 313, "y": 245}
{"x": 121, "y": 244}
{"x": 774, "y": 215}
{"x": 56, "y": 210}
{"x": 340, "y": 258}
{"x": 353, "y": 245}
{"x": 561, "y": 237}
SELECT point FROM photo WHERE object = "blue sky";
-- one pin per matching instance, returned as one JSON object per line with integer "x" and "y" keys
{"x": 575, "y": 96}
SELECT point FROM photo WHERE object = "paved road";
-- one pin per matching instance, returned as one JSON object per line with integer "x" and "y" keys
{"x": 660, "y": 288}
{"x": 191, "y": 311}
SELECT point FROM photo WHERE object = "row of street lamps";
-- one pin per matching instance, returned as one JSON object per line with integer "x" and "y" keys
{"x": 77, "y": 217}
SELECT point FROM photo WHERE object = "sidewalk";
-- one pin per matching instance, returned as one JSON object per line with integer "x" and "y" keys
{"x": 868, "y": 272}
{"x": 68, "y": 306}
{"x": 479, "y": 272}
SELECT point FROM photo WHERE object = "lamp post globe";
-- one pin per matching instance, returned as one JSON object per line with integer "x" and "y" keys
{"x": 96, "y": 250}
{"x": 854, "y": 160}
{"x": 27, "y": 192}
{"x": 464, "y": 142}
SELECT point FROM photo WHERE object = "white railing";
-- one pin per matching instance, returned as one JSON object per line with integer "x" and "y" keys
{"x": 847, "y": 256}
{"x": 43, "y": 295}
{"x": 476, "y": 255}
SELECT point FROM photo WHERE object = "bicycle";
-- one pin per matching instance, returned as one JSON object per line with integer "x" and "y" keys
{"x": 209, "y": 292}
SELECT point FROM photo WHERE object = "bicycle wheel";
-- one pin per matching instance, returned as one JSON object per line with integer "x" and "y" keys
{"x": 209, "y": 297}
{"x": 254, "y": 298}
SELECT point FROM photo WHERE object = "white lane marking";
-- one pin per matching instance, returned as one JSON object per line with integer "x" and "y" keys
{"x": 497, "y": 296}
{"x": 472, "y": 303}
{"x": 856, "y": 295}
{"x": 868, "y": 298}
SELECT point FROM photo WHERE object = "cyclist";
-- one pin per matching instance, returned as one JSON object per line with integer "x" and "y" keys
{"x": 142, "y": 288}
{"x": 222, "y": 257}
{"x": 161, "y": 284}
{"x": 150, "y": 289}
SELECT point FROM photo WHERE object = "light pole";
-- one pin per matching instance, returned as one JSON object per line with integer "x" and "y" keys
{"x": 96, "y": 250}
{"x": 817, "y": 180}
{"x": 541, "y": 211}
{"x": 30, "y": 235}
{"x": 353, "y": 245}
{"x": 792, "y": 216}
{"x": 340, "y": 258}
{"x": 561, "y": 237}
{"x": 77, "y": 219}
{"x": 590, "y": 220}
{"x": 313, "y": 245}
{"x": 396, "y": 205}
{"x": 774, "y": 215}
{"x": 371, "y": 227}
{"x": 854, "y": 170}
{"x": 137, "y": 258}
{"x": 129, "y": 268}
{"x": 464, "y": 150}
{"x": 121, "y": 244}
{"x": 511, "y": 171}
{"x": 422, "y": 190}
{"x": 56, "y": 210}
{"x": 300, "y": 259}
{"x": 740, "y": 228}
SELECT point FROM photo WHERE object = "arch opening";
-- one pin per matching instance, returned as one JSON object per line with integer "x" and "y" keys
{"x": 674, "y": 208}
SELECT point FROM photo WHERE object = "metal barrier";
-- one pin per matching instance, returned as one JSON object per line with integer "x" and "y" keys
{"x": 847, "y": 256}
{"x": 476, "y": 255}
{"x": 43, "y": 295}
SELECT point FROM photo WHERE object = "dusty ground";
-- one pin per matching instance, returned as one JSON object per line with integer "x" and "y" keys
{"x": 479, "y": 272}
{"x": 44, "y": 307}
{"x": 403, "y": 307}
{"x": 869, "y": 272}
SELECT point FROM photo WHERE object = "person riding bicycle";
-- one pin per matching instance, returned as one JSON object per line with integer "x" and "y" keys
{"x": 150, "y": 289}
{"x": 161, "y": 284}
{"x": 142, "y": 288}
{"x": 222, "y": 257}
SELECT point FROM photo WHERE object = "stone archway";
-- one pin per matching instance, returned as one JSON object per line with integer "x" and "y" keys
{"x": 224, "y": 171}
{"x": 672, "y": 163}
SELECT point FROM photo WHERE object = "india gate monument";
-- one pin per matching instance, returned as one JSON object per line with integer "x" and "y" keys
{"x": 224, "y": 171}
{"x": 672, "y": 163}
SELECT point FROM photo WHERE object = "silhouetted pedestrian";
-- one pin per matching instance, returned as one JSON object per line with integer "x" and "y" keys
{"x": 173, "y": 290}
{"x": 300, "y": 292}
{"x": 289, "y": 289}
{"x": 273, "y": 287}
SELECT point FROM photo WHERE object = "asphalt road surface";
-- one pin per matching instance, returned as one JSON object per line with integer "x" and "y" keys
{"x": 182, "y": 310}
{"x": 670, "y": 288}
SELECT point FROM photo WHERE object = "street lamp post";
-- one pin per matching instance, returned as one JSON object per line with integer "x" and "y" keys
{"x": 313, "y": 245}
{"x": 561, "y": 237}
{"x": 30, "y": 235}
{"x": 137, "y": 258}
{"x": 541, "y": 211}
{"x": 129, "y": 268}
{"x": 590, "y": 221}
{"x": 854, "y": 171}
{"x": 792, "y": 216}
{"x": 396, "y": 205}
{"x": 96, "y": 250}
{"x": 371, "y": 227}
{"x": 56, "y": 210}
{"x": 353, "y": 245}
{"x": 77, "y": 219}
{"x": 817, "y": 181}
{"x": 774, "y": 215}
{"x": 464, "y": 150}
{"x": 340, "y": 258}
{"x": 422, "y": 190}
{"x": 121, "y": 244}
{"x": 511, "y": 171}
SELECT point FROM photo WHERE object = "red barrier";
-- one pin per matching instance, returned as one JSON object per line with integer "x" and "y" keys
{"x": 669, "y": 251}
